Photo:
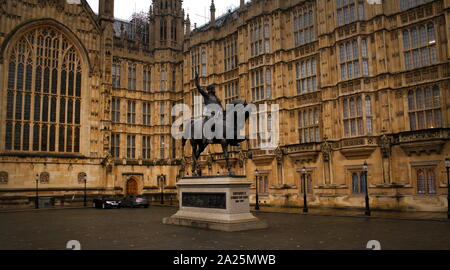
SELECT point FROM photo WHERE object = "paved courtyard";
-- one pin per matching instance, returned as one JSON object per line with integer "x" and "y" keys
{"x": 143, "y": 229}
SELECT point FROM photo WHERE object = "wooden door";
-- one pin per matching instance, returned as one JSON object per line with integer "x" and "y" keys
{"x": 132, "y": 187}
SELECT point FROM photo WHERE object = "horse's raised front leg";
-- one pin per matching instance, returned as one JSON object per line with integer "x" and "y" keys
{"x": 201, "y": 148}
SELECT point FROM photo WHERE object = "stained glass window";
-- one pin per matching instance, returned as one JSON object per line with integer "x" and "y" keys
{"x": 43, "y": 57}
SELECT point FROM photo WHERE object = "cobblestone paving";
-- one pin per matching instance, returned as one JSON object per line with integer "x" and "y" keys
{"x": 360, "y": 213}
{"x": 143, "y": 229}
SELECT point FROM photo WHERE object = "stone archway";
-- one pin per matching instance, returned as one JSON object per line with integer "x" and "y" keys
{"x": 131, "y": 187}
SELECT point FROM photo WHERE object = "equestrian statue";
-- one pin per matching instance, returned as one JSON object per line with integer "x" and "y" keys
{"x": 200, "y": 144}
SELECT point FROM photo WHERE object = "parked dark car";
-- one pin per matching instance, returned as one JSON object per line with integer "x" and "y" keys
{"x": 134, "y": 201}
{"x": 106, "y": 202}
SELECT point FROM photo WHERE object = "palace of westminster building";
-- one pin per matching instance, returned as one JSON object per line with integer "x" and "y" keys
{"x": 87, "y": 99}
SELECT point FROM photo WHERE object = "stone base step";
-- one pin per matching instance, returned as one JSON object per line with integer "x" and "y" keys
{"x": 216, "y": 226}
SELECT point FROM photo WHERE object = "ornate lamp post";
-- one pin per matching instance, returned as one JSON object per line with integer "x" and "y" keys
{"x": 37, "y": 192}
{"x": 305, "y": 200}
{"x": 85, "y": 191}
{"x": 257, "y": 191}
{"x": 365, "y": 169}
{"x": 447, "y": 166}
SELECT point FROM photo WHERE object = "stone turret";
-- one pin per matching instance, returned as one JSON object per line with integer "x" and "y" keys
{"x": 188, "y": 26}
{"x": 106, "y": 9}
{"x": 166, "y": 24}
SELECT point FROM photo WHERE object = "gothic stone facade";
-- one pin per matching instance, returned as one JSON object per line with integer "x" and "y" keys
{"x": 89, "y": 97}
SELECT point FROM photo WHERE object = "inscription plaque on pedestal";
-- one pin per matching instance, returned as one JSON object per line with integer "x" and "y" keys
{"x": 204, "y": 200}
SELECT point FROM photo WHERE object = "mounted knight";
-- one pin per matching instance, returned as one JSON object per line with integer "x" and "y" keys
{"x": 210, "y": 99}
{"x": 220, "y": 128}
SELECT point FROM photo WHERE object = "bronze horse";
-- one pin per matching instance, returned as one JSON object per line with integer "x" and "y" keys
{"x": 199, "y": 145}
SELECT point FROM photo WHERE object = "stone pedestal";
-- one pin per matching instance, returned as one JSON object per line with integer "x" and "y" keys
{"x": 215, "y": 203}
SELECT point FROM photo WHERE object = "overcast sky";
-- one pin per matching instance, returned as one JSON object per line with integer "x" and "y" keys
{"x": 197, "y": 9}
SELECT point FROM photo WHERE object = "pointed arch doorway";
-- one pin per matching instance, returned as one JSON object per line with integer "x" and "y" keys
{"x": 131, "y": 187}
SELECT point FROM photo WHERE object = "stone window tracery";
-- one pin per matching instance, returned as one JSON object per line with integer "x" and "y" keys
{"x": 261, "y": 84}
{"x": 424, "y": 106}
{"x": 306, "y": 76}
{"x": 131, "y": 146}
{"x": 354, "y": 116}
{"x": 304, "y": 23}
{"x": 349, "y": 11}
{"x": 146, "y": 147}
{"x": 43, "y": 93}
{"x": 115, "y": 145}
{"x": 259, "y": 38}
{"x": 231, "y": 91}
{"x": 419, "y": 46}
{"x": 407, "y": 4}
{"x": 230, "y": 51}
{"x": 309, "y": 125}
{"x": 116, "y": 70}
{"x": 147, "y": 79}
{"x": 426, "y": 181}
{"x": 353, "y": 59}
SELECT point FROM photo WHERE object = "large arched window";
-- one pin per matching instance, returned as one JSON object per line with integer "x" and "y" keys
{"x": 43, "y": 93}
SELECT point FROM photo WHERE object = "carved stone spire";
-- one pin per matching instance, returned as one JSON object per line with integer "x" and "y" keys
{"x": 213, "y": 13}
{"x": 188, "y": 25}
